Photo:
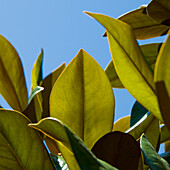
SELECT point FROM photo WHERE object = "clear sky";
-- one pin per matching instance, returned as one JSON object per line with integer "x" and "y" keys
{"x": 61, "y": 28}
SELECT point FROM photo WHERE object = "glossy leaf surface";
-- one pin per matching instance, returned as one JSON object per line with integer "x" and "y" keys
{"x": 118, "y": 149}
{"x": 150, "y": 53}
{"x": 12, "y": 80}
{"x": 62, "y": 134}
{"x": 20, "y": 146}
{"x": 37, "y": 74}
{"x": 48, "y": 83}
{"x": 129, "y": 63}
{"x": 159, "y": 11}
{"x": 138, "y": 111}
{"x": 82, "y": 97}
{"x": 151, "y": 156}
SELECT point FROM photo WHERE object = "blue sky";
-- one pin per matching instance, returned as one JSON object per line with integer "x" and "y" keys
{"x": 61, "y": 28}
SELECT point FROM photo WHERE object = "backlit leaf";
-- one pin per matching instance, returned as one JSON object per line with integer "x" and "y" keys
{"x": 151, "y": 156}
{"x": 150, "y": 53}
{"x": 143, "y": 26}
{"x": 129, "y": 63}
{"x": 37, "y": 73}
{"x": 21, "y": 146}
{"x": 82, "y": 97}
{"x": 122, "y": 125}
{"x": 12, "y": 80}
{"x": 62, "y": 134}
{"x": 119, "y": 150}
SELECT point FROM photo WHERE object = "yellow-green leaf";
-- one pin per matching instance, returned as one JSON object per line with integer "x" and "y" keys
{"x": 48, "y": 83}
{"x": 143, "y": 26}
{"x": 82, "y": 97}
{"x": 37, "y": 73}
{"x": 21, "y": 146}
{"x": 165, "y": 134}
{"x": 129, "y": 63}
{"x": 150, "y": 53}
{"x": 12, "y": 80}
{"x": 122, "y": 125}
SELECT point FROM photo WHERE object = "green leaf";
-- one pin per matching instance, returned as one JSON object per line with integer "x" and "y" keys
{"x": 48, "y": 83}
{"x": 122, "y": 125}
{"x": 63, "y": 135}
{"x": 33, "y": 110}
{"x": 137, "y": 112}
{"x": 129, "y": 63}
{"x": 159, "y": 11}
{"x": 166, "y": 156}
{"x": 151, "y": 156}
{"x": 12, "y": 81}
{"x": 165, "y": 134}
{"x": 37, "y": 71}
{"x": 59, "y": 162}
{"x": 143, "y": 26}
{"x": 21, "y": 146}
{"x": 150, "y": 53}
{"x": 119, "y": 150}
{"x": 148, "y": 125}
{"x": 167, "y": 146}
{"x": 82, "y": 91}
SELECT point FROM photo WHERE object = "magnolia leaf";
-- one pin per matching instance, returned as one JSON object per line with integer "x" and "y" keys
{"x": 149, "y": 125}
{"x": 33, "y": 109}
{"x": 20, "y": 144}
{"x": 122, "y": 125}
{"x": 63, "y": 135}
{"x": 59, "y": 162}
{"x": 118, "y": 149}
{"x": 82, "y": 94}
{"x": 37, "y": 73}
{"x": 165, "y": 135}
{"x": 159, "y": 11}
{"x": 143, "y": 26}
{"x": 129, "y": 63}
{"x": 48, "y": 83}
{"x": 12, "y": 81}
{"x": 151, "y": 156}
{"x": 150, "y": 53}
{"x": 138, "y": 111}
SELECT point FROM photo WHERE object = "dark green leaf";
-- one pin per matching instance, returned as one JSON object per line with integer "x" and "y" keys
{"x": 152, "y": 158}
{"x": 165, "y": 156}
{"x": 118, "y": 149}
{"x": 138, "y": 111}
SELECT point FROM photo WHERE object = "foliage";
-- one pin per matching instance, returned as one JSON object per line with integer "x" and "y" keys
{"x": 68, "y": 120}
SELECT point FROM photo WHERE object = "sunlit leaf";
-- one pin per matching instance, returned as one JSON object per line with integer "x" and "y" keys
{"x": 118, "y": 149}
{"x": 48, "y": 83}
{"x": 165, "y": 134}
{"x": 62, "y": 134}
{"x": 151, "y": 156}
{"x": 82, "y": 97}
{"x": 150, "y": 53}
{"x": 37, "y": 73}
{"x": 137, "y": 112}
{"x": 159, "y": 11}
{"x": 122, "y": 125}
{"x": 12, "y": 80}
{"x": 21, "y": 146}
{"x": 129, "y": 63}
{"x": 143, "y": 26}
